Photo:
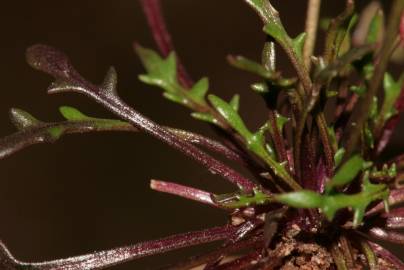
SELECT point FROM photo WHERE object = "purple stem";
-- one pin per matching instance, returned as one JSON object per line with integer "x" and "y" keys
{"x": 253, "y": 242}
{"x": 246, "y": 262}
{"x": 183, "y": 191}
{"x": 394, "y": 219}
{"x": 243, "y": 231}
{"x": 212, "y": 145}
{"x": 389, "y": 236}
{"x": 104, "y": 259}
{"x": 321, "y": 176}
{"x": 157, "y": 25}
{"x": 40, "y": 134}
{"x": 55, "y": 63}
{"x": 386, "y": 255}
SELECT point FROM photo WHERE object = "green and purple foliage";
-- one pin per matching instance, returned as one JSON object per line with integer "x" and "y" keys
{"x": 319, "y": 196}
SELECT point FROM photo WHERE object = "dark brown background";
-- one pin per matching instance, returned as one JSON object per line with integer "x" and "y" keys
{"x": 91, "y": 192}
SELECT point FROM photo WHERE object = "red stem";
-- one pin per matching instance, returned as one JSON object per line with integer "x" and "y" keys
{"x": 386, "y": 255}
{"x": 389, "y": 236}
{"x": 183, "y": 191}
{"x": 104, "y": 259}
{"x": 155, "y": 19}
{"x": 394, "y": 219}
{"x": 57, "y": 64}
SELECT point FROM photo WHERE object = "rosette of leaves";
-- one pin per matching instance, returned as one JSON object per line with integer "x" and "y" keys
{"x": 318, "y": 187}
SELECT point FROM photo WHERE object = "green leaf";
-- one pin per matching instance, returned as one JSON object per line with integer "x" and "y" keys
{"x": 165, "y": 69}
{"x": 230, "y": 115}
{"x": 160, "y": 72}
{"x": 199, "y": 90}
{"x": 163, "y": 73}
{"x": 392, "y": 171}
{"x": 257, "y": 140}
{"x": 260, "y": 88}
{"x": 280, "y": 122}
{"x": 345, "y": 36}
{"x": 359, "y": 90}
{"x": 368, "y": 71}
{"x": 235, "y": 102}
{"x": 22, "y": 119}
{"x": 369, "y": 138}
{"x": 298, "y": 44}
{"x": 387, "y": 171}
{"x": 339, "y": 154}
{"x": 324, "y": 23}
{"x": 156, "y": 81}
{"x": 346, "y": 173}
{"x": 301, "y": 199}
{"x": 342, "y": 63}
{"x": 175, "y": 98}
{"x": 375, "y": 28}
{"x": 330, "y": 204}
{"x": 277, "y": 32}
{"x": 392, "y": 91}
{"x": 206, "y": 117}
{"x": 342, "y": 40}
{"x": 374, "y": 110}
{"x": 251, "y": 66}
{"x": 333, "y": 137}
{"x": 72, "y": 114}
{"x": 240, "y": 200}
{"x": 56, "y": 132}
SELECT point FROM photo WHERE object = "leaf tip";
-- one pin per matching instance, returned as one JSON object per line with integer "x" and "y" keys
{"x": 22, "y": 119}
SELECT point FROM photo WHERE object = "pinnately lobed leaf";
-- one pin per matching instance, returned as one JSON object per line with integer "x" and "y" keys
{"x": 330, "y": 204}
{"x": 160, "y": 72}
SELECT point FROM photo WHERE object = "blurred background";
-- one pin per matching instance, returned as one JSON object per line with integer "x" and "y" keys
{"x": 91, "y": 192}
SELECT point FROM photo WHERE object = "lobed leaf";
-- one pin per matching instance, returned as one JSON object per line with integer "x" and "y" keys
{"x": 330, "y": 204}
{"x": 158, "y": 69}
{"x": 163, "y": 73}
{"x": 255, "y": 142}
